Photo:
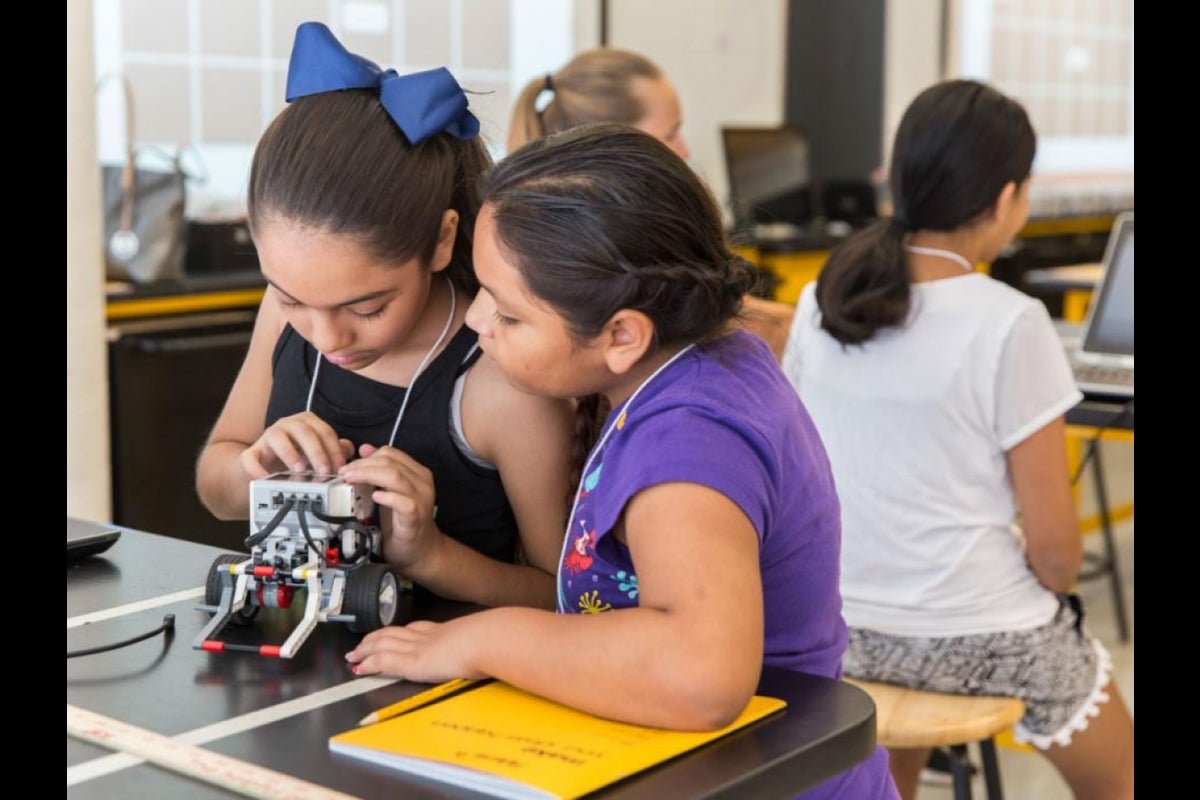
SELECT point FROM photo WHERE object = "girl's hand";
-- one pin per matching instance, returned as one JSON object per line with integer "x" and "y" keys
{"x": 299, "y": 443}
{"x": 428, "y": 652}
{"x": 405, "y": 488}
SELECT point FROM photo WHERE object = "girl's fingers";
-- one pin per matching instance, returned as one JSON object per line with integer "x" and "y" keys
{"x": 251, "y": 461}
{"x": 399, "y": 502}
{"x": 422, "y": 625}
{"x": 384, "y": 476}
{"x": 279, "y": 443}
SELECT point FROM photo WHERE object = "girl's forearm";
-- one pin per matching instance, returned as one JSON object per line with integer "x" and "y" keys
{"x": 638, "y": 665}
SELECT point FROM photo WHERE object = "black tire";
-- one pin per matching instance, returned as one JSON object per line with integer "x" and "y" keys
{"x": 372, "y": 597}
{"x": 212, "y": 588}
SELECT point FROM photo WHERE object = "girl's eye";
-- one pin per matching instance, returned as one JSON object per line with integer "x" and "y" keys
{"x": 503, "y": 320}
{"x": 369, "y": 315}
{"x": 286, "y": 303}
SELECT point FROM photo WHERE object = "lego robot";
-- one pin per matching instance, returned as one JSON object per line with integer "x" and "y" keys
{"x": 309, "y": 532}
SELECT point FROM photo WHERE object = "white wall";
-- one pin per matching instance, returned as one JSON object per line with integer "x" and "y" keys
{"x": 726, "y": 57}
{"x": 912, "y": 30}
{"x": 87, "y": 487}
{"x": 729, "y": 60}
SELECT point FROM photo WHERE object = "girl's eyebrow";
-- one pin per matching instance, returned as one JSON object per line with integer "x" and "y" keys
{"x": 497, "y": 296}
{"x": 364, "y": 298}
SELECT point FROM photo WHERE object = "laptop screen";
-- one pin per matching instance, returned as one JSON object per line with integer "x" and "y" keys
{"x": 768, "y": 171}
{"x": 1109, "y": 328}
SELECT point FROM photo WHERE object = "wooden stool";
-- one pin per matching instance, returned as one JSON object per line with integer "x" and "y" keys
{"x": 911, "y": 718}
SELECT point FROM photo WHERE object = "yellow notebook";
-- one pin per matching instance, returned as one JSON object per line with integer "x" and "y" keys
{"x": 505, "y": 742}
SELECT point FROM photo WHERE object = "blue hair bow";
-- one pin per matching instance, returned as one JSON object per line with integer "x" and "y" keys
{"x": 422, "y": 104}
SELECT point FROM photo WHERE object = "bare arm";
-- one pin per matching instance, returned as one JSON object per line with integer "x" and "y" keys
{"x": 688, "y": 657}
{"x": 221, "y": 481}
{"x": 239, "y": 449}
{"x": 1039, "y": 470}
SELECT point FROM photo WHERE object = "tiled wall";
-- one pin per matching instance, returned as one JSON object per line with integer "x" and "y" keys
{"x": 1070, "y": 63}
{"x": 211, "y": 73}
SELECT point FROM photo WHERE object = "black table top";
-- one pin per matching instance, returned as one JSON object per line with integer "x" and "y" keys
{"x": 296, "y": 705}
{"x": 1102, "y": 412}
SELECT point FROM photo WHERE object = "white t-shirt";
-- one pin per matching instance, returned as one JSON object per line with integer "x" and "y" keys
{"x": 916, "y": 422}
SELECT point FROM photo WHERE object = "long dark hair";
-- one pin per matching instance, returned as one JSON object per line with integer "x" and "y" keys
{"x": 959, "y": 143}
{"x": 337, "y": 161}
{"x": 603, "y": 217}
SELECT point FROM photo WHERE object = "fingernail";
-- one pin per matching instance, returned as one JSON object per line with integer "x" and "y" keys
{"x": 321, "y": 468}
{"x": 298, "y": 466}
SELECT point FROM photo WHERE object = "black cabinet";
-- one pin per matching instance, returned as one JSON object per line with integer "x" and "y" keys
{"x": 168, "y": 380}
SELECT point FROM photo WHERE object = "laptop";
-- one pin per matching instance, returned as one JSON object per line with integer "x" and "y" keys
{"x": 768, "y": 172}
{"x": 1103, "y": 359}
{"x": 85, "y": 538}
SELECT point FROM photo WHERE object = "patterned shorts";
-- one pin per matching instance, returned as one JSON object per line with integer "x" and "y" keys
{"x": 1058, "y": 669}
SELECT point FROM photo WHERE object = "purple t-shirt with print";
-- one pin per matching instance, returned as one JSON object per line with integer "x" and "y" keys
{"x": 722, "y": 415}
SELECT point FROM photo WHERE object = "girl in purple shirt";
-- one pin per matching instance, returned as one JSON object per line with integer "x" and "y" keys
{"x": 704, "y": 536}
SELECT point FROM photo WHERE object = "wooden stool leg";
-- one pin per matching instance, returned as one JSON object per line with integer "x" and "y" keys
{"x": 960, "y": 770}
{"x": 991, "y": 768}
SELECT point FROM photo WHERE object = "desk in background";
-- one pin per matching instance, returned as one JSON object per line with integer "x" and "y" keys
{"x": 298, "y": 704}
{"x": 174, "y": 349}
{"x": 789, "y": 256}
{"x": 1074, "y": 282}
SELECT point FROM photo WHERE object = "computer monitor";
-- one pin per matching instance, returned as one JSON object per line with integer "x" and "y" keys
{"x": 768, "y": 172}
{"x": 1108, "y": 330}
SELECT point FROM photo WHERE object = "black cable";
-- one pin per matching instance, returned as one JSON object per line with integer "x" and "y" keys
{"x": 302, "y": 515}
{"x": 364, "y": 532}
{"x": 1124, "y": 411}
{"x": 256, "y": 538}
{"x": 327, "y": 518}
{"x": 167, "y": 627}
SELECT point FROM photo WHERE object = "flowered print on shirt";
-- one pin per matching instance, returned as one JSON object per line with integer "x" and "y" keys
{"x": 596, "y": 571}
{"x": 591, "y": 603}
{"x": 580, "y": 556}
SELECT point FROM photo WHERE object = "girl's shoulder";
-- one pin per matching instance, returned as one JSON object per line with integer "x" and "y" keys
{"x": 493, "y": 409}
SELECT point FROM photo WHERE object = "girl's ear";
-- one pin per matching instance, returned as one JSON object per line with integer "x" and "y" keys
{"x": 627, "y": 336}
{"x": 445, "y": 242}
{"x": 1005, "y": 201}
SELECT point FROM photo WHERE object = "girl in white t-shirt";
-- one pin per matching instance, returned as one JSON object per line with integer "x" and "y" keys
{"x": 940, "y": 393}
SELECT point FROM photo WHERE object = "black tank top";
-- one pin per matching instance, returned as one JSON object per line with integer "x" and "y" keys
{"x": 472, "y": 506}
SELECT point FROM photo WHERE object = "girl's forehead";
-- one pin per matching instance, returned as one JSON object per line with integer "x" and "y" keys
{"x": 315, "y": 264}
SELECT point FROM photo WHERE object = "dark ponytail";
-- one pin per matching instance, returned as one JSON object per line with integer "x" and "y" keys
{"x": 864, "y": 285}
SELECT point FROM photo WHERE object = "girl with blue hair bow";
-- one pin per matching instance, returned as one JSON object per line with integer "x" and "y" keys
{"x": 362, "y": 201}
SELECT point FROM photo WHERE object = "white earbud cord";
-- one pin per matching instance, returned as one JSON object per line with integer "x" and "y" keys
{"x": 562, "y": 597}
{"x": 939, "y": 253}
{"x": 413, "y": 382}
